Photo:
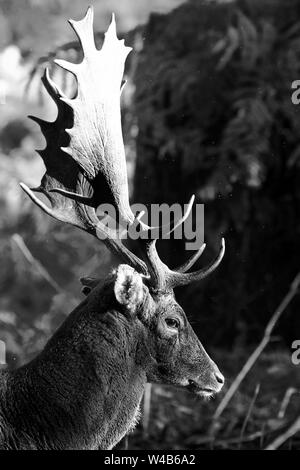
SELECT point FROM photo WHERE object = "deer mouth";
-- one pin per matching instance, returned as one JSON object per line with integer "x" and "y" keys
{"x": 194, "y": 387}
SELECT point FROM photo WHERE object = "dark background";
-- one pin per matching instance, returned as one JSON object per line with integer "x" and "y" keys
{"x": 207, "y": 110}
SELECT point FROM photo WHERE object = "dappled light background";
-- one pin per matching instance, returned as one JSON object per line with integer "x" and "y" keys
{"x": 207, "y": 110}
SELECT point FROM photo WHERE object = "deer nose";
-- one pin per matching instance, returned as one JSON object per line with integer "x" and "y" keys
{"x": 220, "y": 378}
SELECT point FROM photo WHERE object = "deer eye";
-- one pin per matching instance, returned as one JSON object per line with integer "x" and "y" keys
{"x": 172, "y": 323}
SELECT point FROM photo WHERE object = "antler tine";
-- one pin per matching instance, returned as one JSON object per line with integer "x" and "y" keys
{"x": 84, "y": 32}
{"x": 191, "y": 261}
{"x": 176, "y": 279}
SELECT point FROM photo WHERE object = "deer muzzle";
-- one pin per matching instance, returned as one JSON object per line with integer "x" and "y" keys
{"x": 207, "y": 384}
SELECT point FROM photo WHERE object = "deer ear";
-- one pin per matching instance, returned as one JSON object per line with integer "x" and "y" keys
{"x": 128, "y": 288}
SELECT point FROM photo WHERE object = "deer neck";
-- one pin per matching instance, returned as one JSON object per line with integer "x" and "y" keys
{"x": 84, "y": 389}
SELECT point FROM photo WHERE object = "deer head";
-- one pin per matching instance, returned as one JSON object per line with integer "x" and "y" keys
{"x": 167, "y": 345}
{"x": 85, "y": 167}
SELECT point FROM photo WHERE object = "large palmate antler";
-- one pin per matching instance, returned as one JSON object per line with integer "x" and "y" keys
{"x": 85, "y": 157}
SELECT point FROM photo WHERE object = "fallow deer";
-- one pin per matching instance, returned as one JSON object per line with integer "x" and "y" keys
{"x": 84, "y": 389}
